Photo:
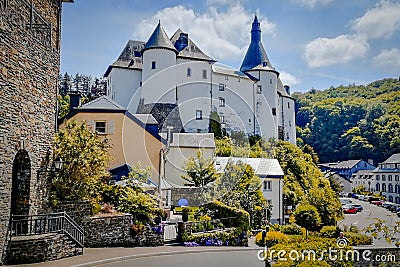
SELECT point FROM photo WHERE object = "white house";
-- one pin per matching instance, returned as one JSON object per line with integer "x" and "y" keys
{"x": 387, "y": 181}
{"x": 271, "y": 175}
{"x": 176, "y": 82}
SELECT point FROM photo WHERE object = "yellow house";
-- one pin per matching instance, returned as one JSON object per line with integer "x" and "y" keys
{"x": 134, "y": 137}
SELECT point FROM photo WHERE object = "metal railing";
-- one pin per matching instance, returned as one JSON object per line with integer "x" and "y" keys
{"x": 60, "y": 222}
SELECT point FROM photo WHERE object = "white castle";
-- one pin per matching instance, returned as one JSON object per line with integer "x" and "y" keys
{"x": 176, "y": 82}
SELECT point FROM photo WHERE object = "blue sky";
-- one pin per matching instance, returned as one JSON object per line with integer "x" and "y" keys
{"x": 312, "y": 43}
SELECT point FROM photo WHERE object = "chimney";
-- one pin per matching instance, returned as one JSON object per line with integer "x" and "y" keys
{"x": 287, "y": 89}
{"x": 74, "y": 100}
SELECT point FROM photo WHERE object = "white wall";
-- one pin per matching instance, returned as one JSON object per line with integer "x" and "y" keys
{"x": 125, "y": 87}
{"x": 276, "y": 197}
{"x": 287, "y": 115}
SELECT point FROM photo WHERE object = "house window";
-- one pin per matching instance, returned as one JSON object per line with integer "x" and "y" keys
{"x": 390, "y": 199}
{"x": 390, "y": 178}
{"x": 383, "y": 178}
{"x": 383, "y": 187}
{"x": 204, "y": 74}
{"x": 221, "y": 87}
{"x": 222, "y": 118}
{"x": 222, "y": 102}
{"x": 226, "y": 78}
{"x": 199, "y": 114}
{"x": 396, "y": 178}
{"x": 378, "y": 187}
{"x": 189, "y": 72}
{"x": 274, "y": 111}
{"x": 153, "y": 65}
{"x": 259, "y": 90}
{"x": 390, "y": 188}
{"x": 100, "y": 127}
{"x": 267, "y": 186}
{"x": 378, "y": 177}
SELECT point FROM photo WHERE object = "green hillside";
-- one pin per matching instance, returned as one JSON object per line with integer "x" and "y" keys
{"x": 351, "y": 122}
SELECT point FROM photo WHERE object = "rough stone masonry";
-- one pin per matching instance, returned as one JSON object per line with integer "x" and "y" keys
{"x": 29, "y": 69}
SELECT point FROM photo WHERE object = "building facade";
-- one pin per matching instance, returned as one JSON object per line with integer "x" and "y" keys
{"x": 346, "y": 168}
{"x": 387, "y": 179}
{"x": 173, "y": 79}
{"x": 29, "y": 69}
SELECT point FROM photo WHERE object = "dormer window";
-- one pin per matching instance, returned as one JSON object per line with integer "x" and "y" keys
{"x": 265, "y": 63}
{"x": 153, "y": 65}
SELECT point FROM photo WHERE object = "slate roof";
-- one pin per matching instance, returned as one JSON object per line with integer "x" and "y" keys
{"x": 130, "y": 57}
{"x": 347, "y": 164}
{"x": 256, "y": 57}
{"x": 228, "y": 71}
{"x": 262, "y": 167}
{"x": 395, "y": 158}
{"x": 159, "y": 39}
{"x": 195, "y": 140}
{"x": 281, "y": 89}
{"x": 102, "y": 102}
{"x": 191, "y": 51}
{"x": 146, "y": 118}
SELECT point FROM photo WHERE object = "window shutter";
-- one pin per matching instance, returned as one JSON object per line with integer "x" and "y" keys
{"x": 90, "y": 125}
{"x": 110, "y": 127}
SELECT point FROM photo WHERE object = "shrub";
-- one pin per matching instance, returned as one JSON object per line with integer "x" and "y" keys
{"x": 272, "y": 238}
{"x": 291, "y": 229}
{"x": 307, "y": 216}
{"x": 222, "y": 238}
{"x": 220, "y": 210}
{"x": 356, "y": 239}
{"x": 329, "y": 232}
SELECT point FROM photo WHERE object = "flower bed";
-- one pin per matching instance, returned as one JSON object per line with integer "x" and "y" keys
{"x": 231, "y": 237}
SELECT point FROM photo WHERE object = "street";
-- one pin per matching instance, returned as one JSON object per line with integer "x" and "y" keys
{"x": 365, "y": 218}
{"x": 223, "y": 258}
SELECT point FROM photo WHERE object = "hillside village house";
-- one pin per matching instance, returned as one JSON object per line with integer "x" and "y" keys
{"x": 271, "y": 181}
{"x": 384, "y": 180}
{"x": 180, "y": 85}
{"x": 132, "y": 137}
{"x": 347, "y": 168}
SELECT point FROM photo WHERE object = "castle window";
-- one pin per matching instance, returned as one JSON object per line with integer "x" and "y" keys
{"x": 222, "y": 87}
{"x": 222, "y": 118}
{"x": 189, "y": 72}
{"x": 153, "y": 65}
{"x": 259, "y": 90}
{"x": 265, "y": 64}
{"x": 288, "y": 104}
{"x": 100, "y": 127}
{"x": 274, "y": 111}
{"x": 199, "y": 114}
{"x": 204, "y": 74}
{"x": 222, "y": 102}
{"x": 270, "y": 81}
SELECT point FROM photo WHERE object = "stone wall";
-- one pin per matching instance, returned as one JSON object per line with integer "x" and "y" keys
{"x": 29, "y": 69}
{"x": 31, "y": 249}
{"x": 114, "y": 231}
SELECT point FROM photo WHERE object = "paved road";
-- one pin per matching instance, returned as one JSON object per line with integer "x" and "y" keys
{"x": 222, "y": 258}
{"x": 366, "y": 218}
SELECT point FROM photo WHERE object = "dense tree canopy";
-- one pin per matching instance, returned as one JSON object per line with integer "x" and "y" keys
{"x": 351, "y": 122}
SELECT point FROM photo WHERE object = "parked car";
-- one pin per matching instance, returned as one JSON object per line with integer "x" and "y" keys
{"x": 349, "y": 209}
{"x": 373, "y": 199}
{"x": 393, "y": 208}
{"x": 387, "y": 204}
{"x": 358, "y": 207}
{"x": 378, "y": 202}
{"x": 345, "y": 201}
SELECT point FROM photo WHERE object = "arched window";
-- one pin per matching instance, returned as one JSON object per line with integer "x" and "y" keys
{"x": 390, "y": 199}
{"x": 378, "y": 187}
{"x": 383, "y": 187}
{"x": 390, "y": 188}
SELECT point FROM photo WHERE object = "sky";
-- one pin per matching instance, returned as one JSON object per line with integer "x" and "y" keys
{"x": 311, "y": 43}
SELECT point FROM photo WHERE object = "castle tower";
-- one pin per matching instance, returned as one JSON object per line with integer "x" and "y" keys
{"x": 159, "y": 75}
{"x": 257, "y": 66}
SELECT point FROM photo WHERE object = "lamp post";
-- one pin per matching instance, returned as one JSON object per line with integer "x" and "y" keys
{"x": 57, "y": 165}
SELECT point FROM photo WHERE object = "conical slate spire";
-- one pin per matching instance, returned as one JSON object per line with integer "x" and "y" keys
{"x": 159, "y": 39}
{"x": 256, "y": 54}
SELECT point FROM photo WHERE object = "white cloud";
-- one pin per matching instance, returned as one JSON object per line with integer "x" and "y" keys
{"x": 342, "y": 49}
{"x": 379, "y": 22}
{"x": 221, "y": 33}
{"x": 312, "y": 3}
{"x": 388, "y": 58}
{"x": 288, "y": 79}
